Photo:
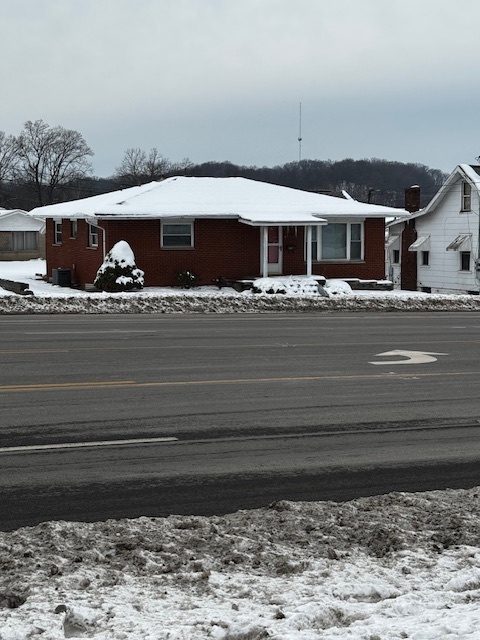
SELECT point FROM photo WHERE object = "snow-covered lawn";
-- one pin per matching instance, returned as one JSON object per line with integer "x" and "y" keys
{"x": 386, "y": 567}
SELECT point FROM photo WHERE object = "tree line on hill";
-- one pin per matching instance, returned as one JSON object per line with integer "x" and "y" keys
{"x": 45, "y": 165}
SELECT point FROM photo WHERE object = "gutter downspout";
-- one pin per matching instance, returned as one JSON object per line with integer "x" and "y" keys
{"x": 104, "y": 233}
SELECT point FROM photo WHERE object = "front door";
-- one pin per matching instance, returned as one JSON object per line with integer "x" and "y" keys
{"x": 274, "y": 250}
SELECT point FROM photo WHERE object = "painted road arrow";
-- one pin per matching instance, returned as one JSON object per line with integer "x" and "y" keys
{"x": 412, "y": 357}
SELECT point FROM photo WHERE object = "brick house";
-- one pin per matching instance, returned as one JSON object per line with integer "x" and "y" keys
{"x": 230, "y": 227}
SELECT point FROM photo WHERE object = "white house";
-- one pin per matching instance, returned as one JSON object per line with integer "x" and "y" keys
{"x": 21, "y": 235}
{"x": 443, "y": 237}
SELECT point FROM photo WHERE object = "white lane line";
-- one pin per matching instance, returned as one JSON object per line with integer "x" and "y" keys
{"x": 75, "y": 445}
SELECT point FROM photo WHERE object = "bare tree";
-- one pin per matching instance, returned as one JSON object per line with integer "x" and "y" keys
{"x": 137, "y": 167}
{"x": 50, "y": 158}
{"x": 8, "y": 156}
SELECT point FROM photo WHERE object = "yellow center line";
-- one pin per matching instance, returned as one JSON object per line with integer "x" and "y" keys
{"x": 178, "y": 383}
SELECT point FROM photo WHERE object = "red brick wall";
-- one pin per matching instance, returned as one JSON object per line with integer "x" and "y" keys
{"x": 222, "y": 248}
{"x": 73, "y": 253}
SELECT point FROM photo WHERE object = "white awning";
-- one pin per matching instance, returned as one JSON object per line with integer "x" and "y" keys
{"x": 392, "y": 240}
{"x": 462, "y": 242}
{"x": 422, "y": 243}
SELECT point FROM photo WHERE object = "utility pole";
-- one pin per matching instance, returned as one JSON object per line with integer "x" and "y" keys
{"x": 300, "y": 134}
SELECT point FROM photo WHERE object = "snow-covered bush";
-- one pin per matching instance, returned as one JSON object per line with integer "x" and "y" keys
{"x": 119, "y": 271}
{"x": 336, "y": 287}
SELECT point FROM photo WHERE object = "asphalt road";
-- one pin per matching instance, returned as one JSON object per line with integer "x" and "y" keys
{"x": 209, "y": 414}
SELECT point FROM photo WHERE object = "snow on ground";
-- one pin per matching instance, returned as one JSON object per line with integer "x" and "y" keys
{"x": 387, "y": 567}
{"x": 394, "y": 566}
{"x": 298, "y": 297}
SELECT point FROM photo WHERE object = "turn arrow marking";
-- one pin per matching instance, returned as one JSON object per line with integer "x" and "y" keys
{"x": 412, "y": 357}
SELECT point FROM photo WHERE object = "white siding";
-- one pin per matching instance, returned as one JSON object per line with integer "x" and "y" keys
{"x": 444, "y": 224}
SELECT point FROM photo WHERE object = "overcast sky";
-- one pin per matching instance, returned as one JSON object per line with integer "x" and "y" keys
{"x": 223, "y": 79}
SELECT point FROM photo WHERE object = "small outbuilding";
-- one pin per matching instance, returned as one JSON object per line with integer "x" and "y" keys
{"x": 22, "y": 236}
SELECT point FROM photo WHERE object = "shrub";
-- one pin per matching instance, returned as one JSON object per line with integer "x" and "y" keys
{"x": 187, "y": 280}
{"x": 119, "y": 271}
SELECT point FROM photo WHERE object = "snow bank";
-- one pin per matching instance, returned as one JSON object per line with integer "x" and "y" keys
{"x": 196, "y": 302}
{"x": 300, "y": 296}
{"x": 394, "y": 566}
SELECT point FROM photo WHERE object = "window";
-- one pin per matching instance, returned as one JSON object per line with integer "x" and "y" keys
{"x": 396, "y": 256}
{"x": 338, "y": 241}
{"x": 177, "y": 235}
{"x": 466, "y": 196}
{"x": 425, "y": 258}
{"x": 73, "y": 229}
{"x": 465, "y": 260}
{"x": 24, "y": 240}
{"x": 92, "y": 236}
{"x": 57, "y": 232}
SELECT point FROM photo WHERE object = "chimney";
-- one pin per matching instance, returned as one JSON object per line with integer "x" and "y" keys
{"x": 412, "y": 198}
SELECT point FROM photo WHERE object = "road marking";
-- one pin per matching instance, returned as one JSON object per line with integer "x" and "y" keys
{"x": 75, "y": 445}
{"x": 412, "y": 357}
{"x": 130, "y": 384}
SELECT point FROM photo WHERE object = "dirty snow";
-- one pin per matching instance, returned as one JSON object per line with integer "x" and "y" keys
{"x": 394, "y": 566}
{"x": 386, "y": 567}
{"x": 302, "y": 296}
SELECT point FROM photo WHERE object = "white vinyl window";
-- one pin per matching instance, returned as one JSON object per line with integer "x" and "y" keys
{"x": 92, "y": 236}
{"x": 465, "y": 257}
{"x": 177, "y": 235}
{"x": 338, "y": 241}
{"x": 57, "y": 232}
{"x": 73, "y": 229}
{"x": 466, "y": 204}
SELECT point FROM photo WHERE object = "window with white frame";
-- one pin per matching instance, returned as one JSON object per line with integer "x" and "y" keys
{"x": 466, "y": 204}
{"x": 425, "y": 258}
{"x": 338, "y": 241}
{"x": 92, "y": 236}
{"x": 177, "y": 235}
{"x": 73, "y": 229}
{"x": 57, "y": 232}
{"x": 465, "y": 260}
{"x": 396, "y": 256}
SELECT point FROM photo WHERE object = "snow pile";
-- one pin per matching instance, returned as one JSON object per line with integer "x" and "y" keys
{"x": 337, "y": 287}
{"x": 288, "y": 285}
{"x": 395, "y": 566}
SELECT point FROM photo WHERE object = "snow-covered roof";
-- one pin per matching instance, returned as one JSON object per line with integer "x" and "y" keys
{"x": 18, "y": 220}
{"x": 250, "y": 201}
{"x": 468, "y": 172}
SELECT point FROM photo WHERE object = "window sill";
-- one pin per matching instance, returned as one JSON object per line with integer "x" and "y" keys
{"x": 341, "y": 261}
{"x": 177, "y": 248}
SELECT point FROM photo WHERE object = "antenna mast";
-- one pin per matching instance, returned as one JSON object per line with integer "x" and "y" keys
{"x": 300, "y": 134}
